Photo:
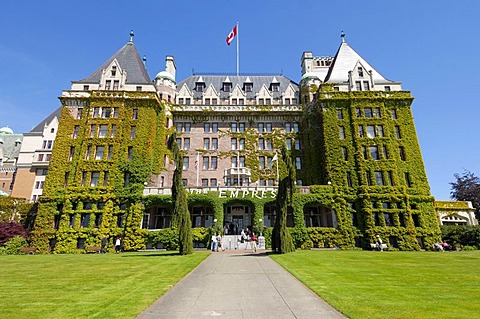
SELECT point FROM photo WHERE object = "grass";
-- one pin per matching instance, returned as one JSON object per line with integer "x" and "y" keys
{"x": 391, "y": 284}
{"x": 88, "y": 285}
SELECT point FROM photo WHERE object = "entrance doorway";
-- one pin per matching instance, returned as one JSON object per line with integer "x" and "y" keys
{"x": 237, "y": 217}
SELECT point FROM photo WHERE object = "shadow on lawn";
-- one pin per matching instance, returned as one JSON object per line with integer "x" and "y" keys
{"x": 152, "y": 254}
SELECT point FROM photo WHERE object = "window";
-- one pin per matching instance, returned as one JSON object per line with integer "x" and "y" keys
{"x": 261, "y": 127}
{"x": 394, "y": 114}
{"x": 185, "y": 163}
{"x": 113, "y": 131}
{"x": 397, "y": 132}
{"x": 401, "y": 151}
{"x": 385, "y": 152}
{"x": 93, "y": 130}
{"x": 188, "y": 126}
{"x": 133, "y": 130}
{"x": 179, "y": 127}
{"x": 207, "y": 101}
{"x": 340, "y": 114}
{"x": 79, "y": 113}
{"x": 48, "y": 157}
{"x": 371, "y": 131}
{"x": 379, "y": 178}
{"x": 248, "y": 87}
{"x": 88, "y": 153}
{"x": 126, "y": 179}
{"x": 234, "y": 161}
{"x": 72, "y": 153}
{"x": 99, "y": 152}
{"x": 186, "y": 143}
{"x": 116, "y": 84}
{"x": 206, "y": 162}
{"x": 114, "y": 70}
{"x": 206, "y": 127}
{"x": 84, "y": 220}
{"x": 390, "y": 178}
{"x": 106, "y": 112}
{"x": 206, "y": 143}
{"x": 102, "y": 132}
{"x": 179, "y": 143}
{"x": 358, "y": 85}
{"x": 213, "y": 182}
{"x": 268, "y": 127}
{"x": 368, "y": 177}
{"x": 213, "y": 164}
{"x": 295, "y": 127}
{"x": 241, "y": 127}
{"x": 130, "y": 153}
{"x": 366, "y": 85}
{"x": 115, "y": 112}
{"x": 241, "y": 144}
{"x": 241, "y": 161}
{"x": 204, "y": 182}
{"x": 268, "y": 145}
{"x": 364, "y": 152}
{"x": 361, "y": 132}
{"x": 349, "y": 180}
{"x": 94, "y": 179}
{"x": 297, "y": 145}
{"x": 214, "y": 127}
{"x": 84, "y": 178}
{"x": 380, "y": 131}
{"x": 98, "y": 220}
{"x": 261, "y": 144}
{"x": 227, "y": 87}
{"x": 105, "y": 179}
{"x": 108, "y": 84}
{"x": 342, "y": 132}
{"x": 408, "y": 182}
{"x": 262, "y": 162}
{"x": 357, "y": 112}
{"x": 120, "y": 219}
{"x": 234, "y": 144}
{"x": 288, "y": 127}
{"x": 387, "y": 88}
{"x": 345, "y": 153}
{"x": 135, "y": 114}
{"x": 374, "y": 152}
{"x": 214, "y": 143}
{"x": 360, "y": 72}
{"x": 288, "y": 141}
{"x": 368, "y": 112}
{"x": 376, "y": 112}
{"x": 110, "y": 152}
{"x": 298, "y": 162}
{"x": 275, "y": 87}
{"x": 233, "y": 127}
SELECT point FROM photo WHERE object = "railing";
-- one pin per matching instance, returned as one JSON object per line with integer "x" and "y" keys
{"x": 235, "y": 171}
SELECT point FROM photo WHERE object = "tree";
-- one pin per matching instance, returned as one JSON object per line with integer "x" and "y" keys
{"x": 467, "y": 188}
{"x": 282, "y": 242}
{"x": 181, "y": 215}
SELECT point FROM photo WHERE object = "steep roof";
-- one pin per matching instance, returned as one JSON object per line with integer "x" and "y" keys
{"x": 130, "y": 61}
{"x": 257, "y": 81}
{"x": 345, "y": 61}
{"x": 47, "y": 120}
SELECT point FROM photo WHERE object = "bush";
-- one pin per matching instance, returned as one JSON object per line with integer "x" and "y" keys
{"x": 13, "y": 245}
{"x": 11, "y": 229}
{"x": 461, "y": 235}
{"x": 469, "y": 248}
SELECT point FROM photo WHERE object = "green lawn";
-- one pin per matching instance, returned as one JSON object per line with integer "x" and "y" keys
{"x": 390, "y": 285}
{"x": 88, "y": 286}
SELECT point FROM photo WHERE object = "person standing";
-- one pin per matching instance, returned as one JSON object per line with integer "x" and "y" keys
{"x": 118, "y": 244}
{"x": 253, "y": 240}
{"x": 379, "y": 243}
{"x": 214, "y": 242}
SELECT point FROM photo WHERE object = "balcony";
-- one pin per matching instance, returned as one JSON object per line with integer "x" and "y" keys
{"x": 237, "y": 171}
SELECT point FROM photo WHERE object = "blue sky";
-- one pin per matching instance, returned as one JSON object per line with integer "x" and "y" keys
{"x": 430, "y": 46}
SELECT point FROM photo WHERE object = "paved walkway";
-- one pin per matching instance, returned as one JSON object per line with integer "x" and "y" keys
{"x": 239, "y": 285}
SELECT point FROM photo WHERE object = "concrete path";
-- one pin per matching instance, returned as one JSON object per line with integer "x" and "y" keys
{"x": 238, "y": 285}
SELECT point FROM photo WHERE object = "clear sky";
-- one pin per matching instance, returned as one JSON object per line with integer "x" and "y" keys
{"x": 432, "y": 46}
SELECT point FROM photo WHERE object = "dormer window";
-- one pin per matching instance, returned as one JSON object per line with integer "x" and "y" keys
{"x": 227, "y": 87}
{"x": 248, "y": 87}
{"x": 360, "y": 72}
{"x": 114, "y": 70}
{"x": 108, "y": 84}
{"x": 199, "y": 86}
{"x": 275, "y": 87}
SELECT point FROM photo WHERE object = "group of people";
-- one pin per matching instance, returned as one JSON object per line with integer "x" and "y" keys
{"x": 442, "y": 246}
{"x": 248, "y": 237}
{"x": 118, "y": 245}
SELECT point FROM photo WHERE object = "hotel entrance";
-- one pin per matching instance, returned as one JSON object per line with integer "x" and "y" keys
{"x": 237, "y": 217}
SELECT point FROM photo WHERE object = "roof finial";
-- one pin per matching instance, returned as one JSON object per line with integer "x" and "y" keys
{"x": 342, "y": 35}
{"x": 131, "y": 36}
{"x": 144, "y": 60}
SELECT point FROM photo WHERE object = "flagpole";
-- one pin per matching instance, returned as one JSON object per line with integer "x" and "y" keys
{"x": 278, "y": 181}
{"x": 238, "y": 63}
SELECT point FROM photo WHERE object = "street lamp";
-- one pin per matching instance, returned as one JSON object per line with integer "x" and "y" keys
{"x": 215, "y": 226}
{"x": 260, "y": 226}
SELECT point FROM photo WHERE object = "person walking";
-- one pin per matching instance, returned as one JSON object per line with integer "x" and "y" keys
{"x": 118, "y": 245}
{"x": 214, "y": 242}
{"x": 253, "y": 239}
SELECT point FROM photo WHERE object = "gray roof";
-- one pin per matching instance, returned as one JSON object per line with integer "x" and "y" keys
{"x": 129, "y": 61}
{"x": 345, "y": 61}
{"x": 258, "y": 82}
{"x": 47, "y": 120}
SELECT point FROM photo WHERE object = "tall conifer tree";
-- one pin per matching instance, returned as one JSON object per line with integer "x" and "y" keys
{"x": 181, "y": 216}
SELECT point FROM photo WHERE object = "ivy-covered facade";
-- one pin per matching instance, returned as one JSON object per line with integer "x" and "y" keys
{"x": 349, "y": 131}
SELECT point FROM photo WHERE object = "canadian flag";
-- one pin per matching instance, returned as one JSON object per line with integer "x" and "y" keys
{"x": 231, "y": 35}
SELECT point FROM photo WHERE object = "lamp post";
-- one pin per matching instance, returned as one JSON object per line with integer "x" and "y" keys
{"x": 215, "y": 226}
{"x": 260, "y": 226}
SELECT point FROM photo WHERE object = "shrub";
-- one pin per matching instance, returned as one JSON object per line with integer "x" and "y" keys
{"x": 13, "y": 245}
